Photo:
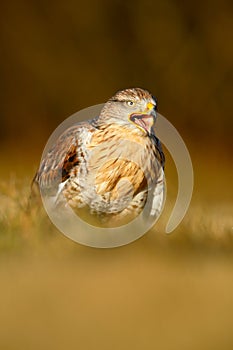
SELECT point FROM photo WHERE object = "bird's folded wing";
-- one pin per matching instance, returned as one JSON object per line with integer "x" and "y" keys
{"x": 57, "y": 164}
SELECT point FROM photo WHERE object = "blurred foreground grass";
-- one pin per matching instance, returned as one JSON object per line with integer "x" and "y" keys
{"x": 160, "y": 292}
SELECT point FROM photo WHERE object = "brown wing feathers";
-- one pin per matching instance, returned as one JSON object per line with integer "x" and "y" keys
{"x": 59, "y": 161}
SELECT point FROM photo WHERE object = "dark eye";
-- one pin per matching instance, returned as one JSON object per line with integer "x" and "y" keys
{"x": 130, "y": 103}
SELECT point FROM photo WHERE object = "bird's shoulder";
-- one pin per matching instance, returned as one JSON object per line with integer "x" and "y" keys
{"x": 158, "y": 149}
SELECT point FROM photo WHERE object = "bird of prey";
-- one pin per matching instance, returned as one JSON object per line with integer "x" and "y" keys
{"x": 110, "y": 166}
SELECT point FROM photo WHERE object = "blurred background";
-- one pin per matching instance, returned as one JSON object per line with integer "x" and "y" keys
{"x": 161, "y": 292}
{"x": 58, "y": 57}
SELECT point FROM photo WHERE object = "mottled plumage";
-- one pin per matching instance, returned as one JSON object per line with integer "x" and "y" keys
{"x": 108, "y": 165}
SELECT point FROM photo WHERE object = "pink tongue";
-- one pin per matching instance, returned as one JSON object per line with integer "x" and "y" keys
{"x": 145, "y": 122}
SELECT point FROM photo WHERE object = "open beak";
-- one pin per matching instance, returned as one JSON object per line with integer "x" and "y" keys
{"x": 144, "y": 120}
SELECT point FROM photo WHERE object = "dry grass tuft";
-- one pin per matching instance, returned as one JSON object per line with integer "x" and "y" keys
{"x": 160, "y": 292}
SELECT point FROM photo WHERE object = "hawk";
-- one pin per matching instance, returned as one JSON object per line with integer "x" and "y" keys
{"x": 108, "y": 167}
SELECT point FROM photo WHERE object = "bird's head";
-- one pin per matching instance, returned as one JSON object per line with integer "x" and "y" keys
{"x": 135, "y": 107}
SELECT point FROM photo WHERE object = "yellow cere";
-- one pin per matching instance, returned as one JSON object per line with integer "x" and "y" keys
{"x": 150, "y": 105}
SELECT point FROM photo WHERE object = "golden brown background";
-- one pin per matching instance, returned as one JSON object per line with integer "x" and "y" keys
{"x": 161, "y": 292}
